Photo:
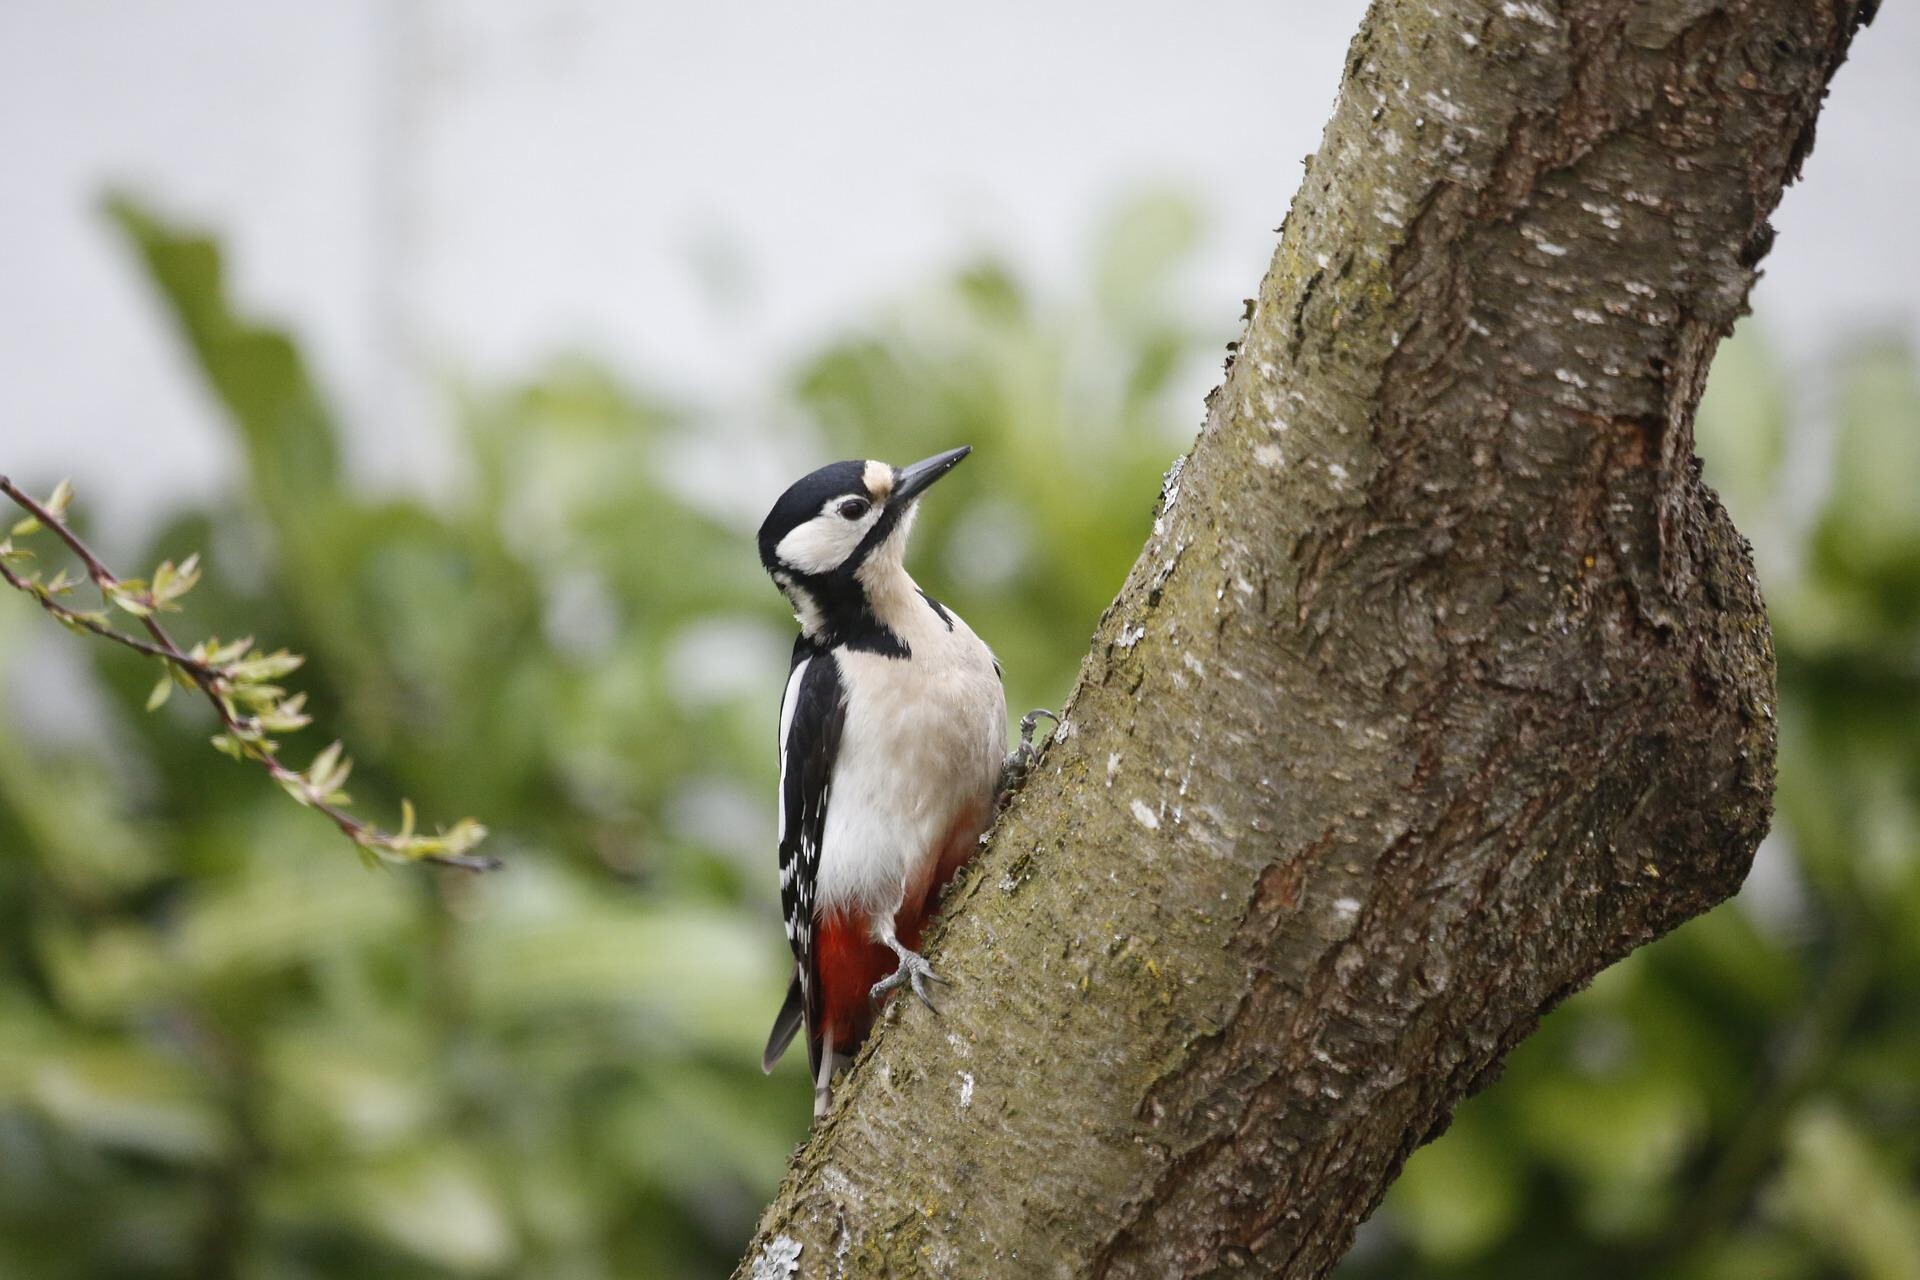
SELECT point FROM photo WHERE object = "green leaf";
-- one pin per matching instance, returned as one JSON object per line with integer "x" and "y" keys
{"x": 253, "y": 368}
{"x": 77, "y": 620}
{"x": 257, "y": 697}
{"x": 58, "y": 501}
{"x": 259, "y": 666}
{"x": 1849, "y": 1197}
{"x": 329, "y": 770}
{"x": 74, "y": 620}
{"x": 171, "y": 583}
{"x": 122, "y": 1098}
{"x": 457, "y": 841}
{"x": 161, "y": 692}
{"x": 215, "y": 654}
{"x": 286, "y": 717}
{"x": 130, "y": 594}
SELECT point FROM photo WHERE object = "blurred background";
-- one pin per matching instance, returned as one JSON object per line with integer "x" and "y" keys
{"x": 431, "y": 326}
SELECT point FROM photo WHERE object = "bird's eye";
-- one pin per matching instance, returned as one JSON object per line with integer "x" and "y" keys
{"x": 854, "y": 508}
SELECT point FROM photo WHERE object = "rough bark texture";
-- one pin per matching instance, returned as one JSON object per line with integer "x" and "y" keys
{"x": 1442, "y": 683}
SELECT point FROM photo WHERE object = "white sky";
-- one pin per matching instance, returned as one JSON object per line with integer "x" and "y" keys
{"x": 471, "y": 186}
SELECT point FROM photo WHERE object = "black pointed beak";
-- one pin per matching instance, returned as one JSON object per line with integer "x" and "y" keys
{"x": 908, "y": 482}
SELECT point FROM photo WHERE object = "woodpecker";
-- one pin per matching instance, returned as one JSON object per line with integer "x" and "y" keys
{"x": 893, "y": 734}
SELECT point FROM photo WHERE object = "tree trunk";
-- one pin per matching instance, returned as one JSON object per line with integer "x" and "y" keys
{"x": 1442, "y": 683}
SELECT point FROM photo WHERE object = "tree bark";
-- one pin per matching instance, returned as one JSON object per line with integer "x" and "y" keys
{"x": 1442, "y": 683}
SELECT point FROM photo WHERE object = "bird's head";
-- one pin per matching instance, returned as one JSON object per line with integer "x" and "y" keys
{"x": 839, "y": 532}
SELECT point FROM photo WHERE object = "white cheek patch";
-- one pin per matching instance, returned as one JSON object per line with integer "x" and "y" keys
{"x": 818, "y": 545}
{"x": 823, "y": 543}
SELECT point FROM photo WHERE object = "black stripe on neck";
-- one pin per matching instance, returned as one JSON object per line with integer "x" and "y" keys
{"x": 939, "y": 609}
{"x": 847, "y": 617}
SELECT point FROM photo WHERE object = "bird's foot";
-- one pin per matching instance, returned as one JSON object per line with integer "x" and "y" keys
{"x": 1021, "y": 758}
{"x": 914, "y": 972}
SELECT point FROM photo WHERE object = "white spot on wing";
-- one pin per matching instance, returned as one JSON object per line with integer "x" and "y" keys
{"x": 1145, "y": 816}
{"x": 787, "y": 703}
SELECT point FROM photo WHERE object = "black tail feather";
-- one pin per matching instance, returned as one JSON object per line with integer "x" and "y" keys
{"x": 785, "y": 1024}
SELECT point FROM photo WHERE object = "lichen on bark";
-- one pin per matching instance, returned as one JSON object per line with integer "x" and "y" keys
{"x": 1442, "y": 682}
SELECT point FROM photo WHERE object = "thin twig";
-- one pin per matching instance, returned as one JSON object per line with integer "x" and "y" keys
{"x": 89, "y": 623}
{"x": 209, "y": 679}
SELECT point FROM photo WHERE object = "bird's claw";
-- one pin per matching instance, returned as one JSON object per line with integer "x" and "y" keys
{"x": 1021, "y": 758}
{"x": 913, "y": 972}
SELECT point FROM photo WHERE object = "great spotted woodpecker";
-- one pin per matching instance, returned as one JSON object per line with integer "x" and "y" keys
{"x": 893, "y": 731}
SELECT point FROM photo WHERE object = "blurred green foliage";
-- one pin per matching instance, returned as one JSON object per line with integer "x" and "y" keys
{"x": 1741, "y": 1100}
{"x": 226, "y": 1048}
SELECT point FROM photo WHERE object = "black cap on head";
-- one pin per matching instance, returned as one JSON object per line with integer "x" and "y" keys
{"x": 804, "y": 498}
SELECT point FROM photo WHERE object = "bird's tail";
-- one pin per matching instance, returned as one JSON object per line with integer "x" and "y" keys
{"x": 786, "y": 1024}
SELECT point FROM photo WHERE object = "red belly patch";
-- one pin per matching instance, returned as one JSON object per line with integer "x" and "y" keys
{"x": 848, "y": 960}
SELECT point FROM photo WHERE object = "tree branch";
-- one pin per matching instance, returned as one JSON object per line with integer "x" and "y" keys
{"x": 221, "y": 682}
{"x": 91, "y": 623}
{"x": 1442, "y": 683}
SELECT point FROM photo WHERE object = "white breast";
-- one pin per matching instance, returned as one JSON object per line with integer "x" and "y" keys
{"x": 922, "y": 746}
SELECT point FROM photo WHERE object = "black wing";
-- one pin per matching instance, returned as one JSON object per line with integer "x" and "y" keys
{"x": 812, "y": 714}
